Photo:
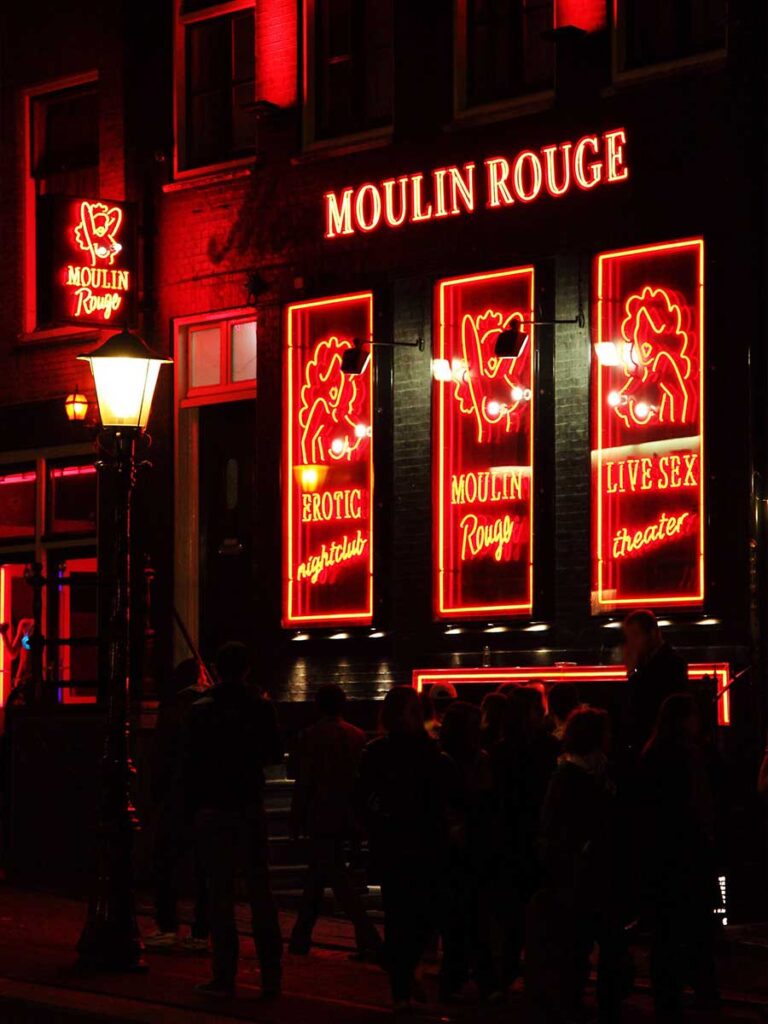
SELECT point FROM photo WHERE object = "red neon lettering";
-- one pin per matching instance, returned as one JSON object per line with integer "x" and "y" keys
{"x": 368, "y": 223}
{"x": 498, "y": 192}
{"x": 394, "y": 220}
{"x": 338, "y": 214}
{"x": 418, "y": 210}
{"x": 595, "y": 168}
{"x": 500, "y": 538}
{"x": 316, "y": 568}
{"x": 534, "y": 172}
{"x": 615, "y": 142}
{"x": 550, "y": 173}
{"x": 626, "y": 544}
{"x": 484, "y": 487}
{"x": 651, "y": 473}
{"x": 330, "y": 506}
{"x": 462, "y": 188}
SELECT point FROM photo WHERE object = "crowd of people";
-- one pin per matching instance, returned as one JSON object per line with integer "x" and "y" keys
{"x": 524, "y": 838}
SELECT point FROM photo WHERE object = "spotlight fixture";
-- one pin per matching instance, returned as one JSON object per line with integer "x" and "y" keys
{"x": 354, "y": 361}
{"x": 510, "y": 344}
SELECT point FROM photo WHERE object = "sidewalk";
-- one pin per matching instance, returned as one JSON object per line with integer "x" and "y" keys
{"x": 38, "y": 981}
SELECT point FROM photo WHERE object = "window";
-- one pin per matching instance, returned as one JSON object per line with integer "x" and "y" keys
{"x": 349, "y": 48}
{"x": 216, "y": 360}
{"x": 657, "y": 32}
{"x": 63, "y": 159}
{"x": 216, "y": 67}
{"x": 77, "y": 647}
{"x": 18, "y": 491}
{"x": 71, "y": 499}
{"x": 502, "y": 50}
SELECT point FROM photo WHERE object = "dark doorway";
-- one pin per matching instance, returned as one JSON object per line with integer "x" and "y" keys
{"x": 227, "y": 524}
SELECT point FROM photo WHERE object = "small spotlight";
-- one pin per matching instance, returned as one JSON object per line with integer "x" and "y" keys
{"x": 354, "y": 361}
{"x": 495, "y": 629}
{"x": 361, "y": 430}
{"x": 300, "y": 636}
{"x": 708, "y": 621}
{"x": 517, "y": 393}
{"x": 493, "y": 407}
{"x": 453, "y": 630}
{"x": 510, "y": 343}
{"x": 441, "y": 370}
{"x": 536, "y": 627}
{"x": 607, "y": 353}
{"x": 614, "y": 399}
{"x": 339, "y": 636}
{"x": 613, "y": 624}
{"x": 642, "y": 410}
{"x": 377, "y": 634}
{"x": 664, "y": 622}
{"x": 337, "y": 446}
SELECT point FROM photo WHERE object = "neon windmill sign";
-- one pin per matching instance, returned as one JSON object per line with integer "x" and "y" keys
{"x": 328, "y": 467}
{"x": 648, "y": 451}
{"x": 94, "y": 275}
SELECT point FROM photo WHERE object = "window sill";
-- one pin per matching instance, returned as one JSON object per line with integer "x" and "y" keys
{"x": 215, "y": 174}
{"x": 344, "y": 145}
{"x": 490, "y": 113}
{"x": 640, "y": 76}
{"x": 60, "y": 335}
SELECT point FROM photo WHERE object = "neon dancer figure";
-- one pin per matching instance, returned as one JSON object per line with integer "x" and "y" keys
{"x": 333, "y": 407}
{"x": 20, "y": 649}
{"x": 661, "y": 386}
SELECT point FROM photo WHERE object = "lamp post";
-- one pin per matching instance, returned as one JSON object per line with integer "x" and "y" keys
{"x": 125, "y": 373}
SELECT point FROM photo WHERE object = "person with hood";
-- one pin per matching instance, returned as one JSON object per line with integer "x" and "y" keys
{"x": 230, "y": 736}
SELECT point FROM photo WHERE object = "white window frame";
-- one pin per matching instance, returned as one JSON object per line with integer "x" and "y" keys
{"x": 181, "y": 22}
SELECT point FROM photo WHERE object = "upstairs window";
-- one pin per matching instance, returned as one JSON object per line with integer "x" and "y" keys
{"x": 216, "y": 360}
{"x": 350, "y": 69}
{"x": 18, "y": 496}
{"x": 216, "y": 68}
{"x": 502, "y": 52}
{"x": 659, "y": 32}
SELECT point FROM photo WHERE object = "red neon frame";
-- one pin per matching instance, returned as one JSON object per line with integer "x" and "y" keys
{"x": 639, "y": 299}
{"x": 8, "y": 572}
{"x": 721, "y": 671}
{"x": 467, "y": 440}
{"x": 334, "y": 592}
{"x": 67, "y": 693}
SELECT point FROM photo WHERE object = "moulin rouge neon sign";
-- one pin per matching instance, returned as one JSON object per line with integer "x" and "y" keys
{"x": 93, "y": 264}
{"x": 498, "y": 183}
{"x": 328, "y": 468}
{"x": 648, "y": 523}
{"x": 482, "y": 448}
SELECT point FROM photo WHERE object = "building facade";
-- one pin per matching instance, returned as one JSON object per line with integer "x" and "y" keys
{"x": 308, "y": 189}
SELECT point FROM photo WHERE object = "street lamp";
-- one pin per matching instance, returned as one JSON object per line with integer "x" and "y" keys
{"x": 125, "y": 373}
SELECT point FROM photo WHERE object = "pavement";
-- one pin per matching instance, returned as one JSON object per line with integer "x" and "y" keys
{"x": 39, "y": 981}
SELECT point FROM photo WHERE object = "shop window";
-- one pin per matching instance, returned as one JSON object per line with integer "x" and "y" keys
{"x": 63, "y": 155}
{"x": 349, "y": 67}
{"x": 503, "y": 51}
{"x": 15, "y": 616}
{"x": 217, "y": 360}
{"x": 71, "y": 499}
{"x": 659, "y": 32}
{"x": 216, "y": 67}
{"x": 648, "y": 416}
{"x": 77, "y": 648}
{"x": 18, "y": 493}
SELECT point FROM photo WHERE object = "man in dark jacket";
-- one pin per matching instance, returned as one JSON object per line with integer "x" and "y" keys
{"x": 325, "y": 766}
{"x": 655, "y": 671}
{"x": 230, "y": 735}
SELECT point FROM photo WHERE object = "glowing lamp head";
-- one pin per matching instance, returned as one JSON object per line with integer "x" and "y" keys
{"x": 76, "y": 406}
{"x": 309, "y": 477}
{"x": 517, "y": 393}
{"x": 354, "y": 361}
{"x": 442, "y": 370}
{"x": 642, "y": 410}
{"x": 614, "y": 399}
{"x": 607, "y": 353}
{"x": 337, "y": 445}
{"x": 511, "y": 342}
{"x": 493, "y": 408}
{"x": 125, "y": 372}
{"x": 361, "y": 430}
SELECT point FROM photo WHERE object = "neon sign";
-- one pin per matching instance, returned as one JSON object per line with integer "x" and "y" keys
{"x": 557, "y": 169}
{"x": 483, "y": 448}
{"x": 719, "y": 672}
{"x": 91, "y": 247}
{"x": 328, "y": 465}
{"x": 647, "y": 458}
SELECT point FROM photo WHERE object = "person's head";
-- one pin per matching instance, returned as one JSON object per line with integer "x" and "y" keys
{"x": 642, "y": 636}
{"x": 232, "y": 663}
{"x": 330, "y": 700}
{"x": 562, "y": 699}
{"x": 427, "y": 707}
{"x": 442, "y": 696}
{"x": 677, "y": 722}
{"x": 587, "y": 732}
{"x": 507, "y": 689}
{"x": 493, "y": 712}
{"x": 460, "y": 732}
{"x": 186, "y": 673}
{"x": 401, "y": 712}
{"x": 530, "y": 701}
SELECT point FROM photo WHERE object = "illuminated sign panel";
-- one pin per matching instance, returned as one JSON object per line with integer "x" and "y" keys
{"x": 328, "y": 465}
{"x": 718, "y": 672}
{"x": 648, "y": 452}
{"x": 87, "y": 250}
{"x": 483, "y": 447}
{"x": 499, "y": 182}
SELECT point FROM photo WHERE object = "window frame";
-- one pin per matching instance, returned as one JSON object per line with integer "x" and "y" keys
{"x": 226, "y": 390}
{"x": 350, "y": 142}
{"x": 28, "y": 204}
{"x": 496, "y": 110}
{"x": 622, "y": 75}
{"x": 181, "y": 22}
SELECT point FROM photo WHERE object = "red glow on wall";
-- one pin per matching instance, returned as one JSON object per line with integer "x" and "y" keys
{"x": 90, "y": 248}
{"x": 328, "y": 465}
{"x": 555, "y": 170}
{"x": 423, "y": 679}
{"x": 587, "y": 15}
{"x": 648, "y": 452}
{"x": 276, "y": 28}
{"x": 483, "y": 448}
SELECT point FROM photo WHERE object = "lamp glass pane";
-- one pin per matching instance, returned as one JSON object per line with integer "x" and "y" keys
{"x": 205, "y": 357}
{"x": 244, "y": 351}
{"x": 124, "y": 388}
